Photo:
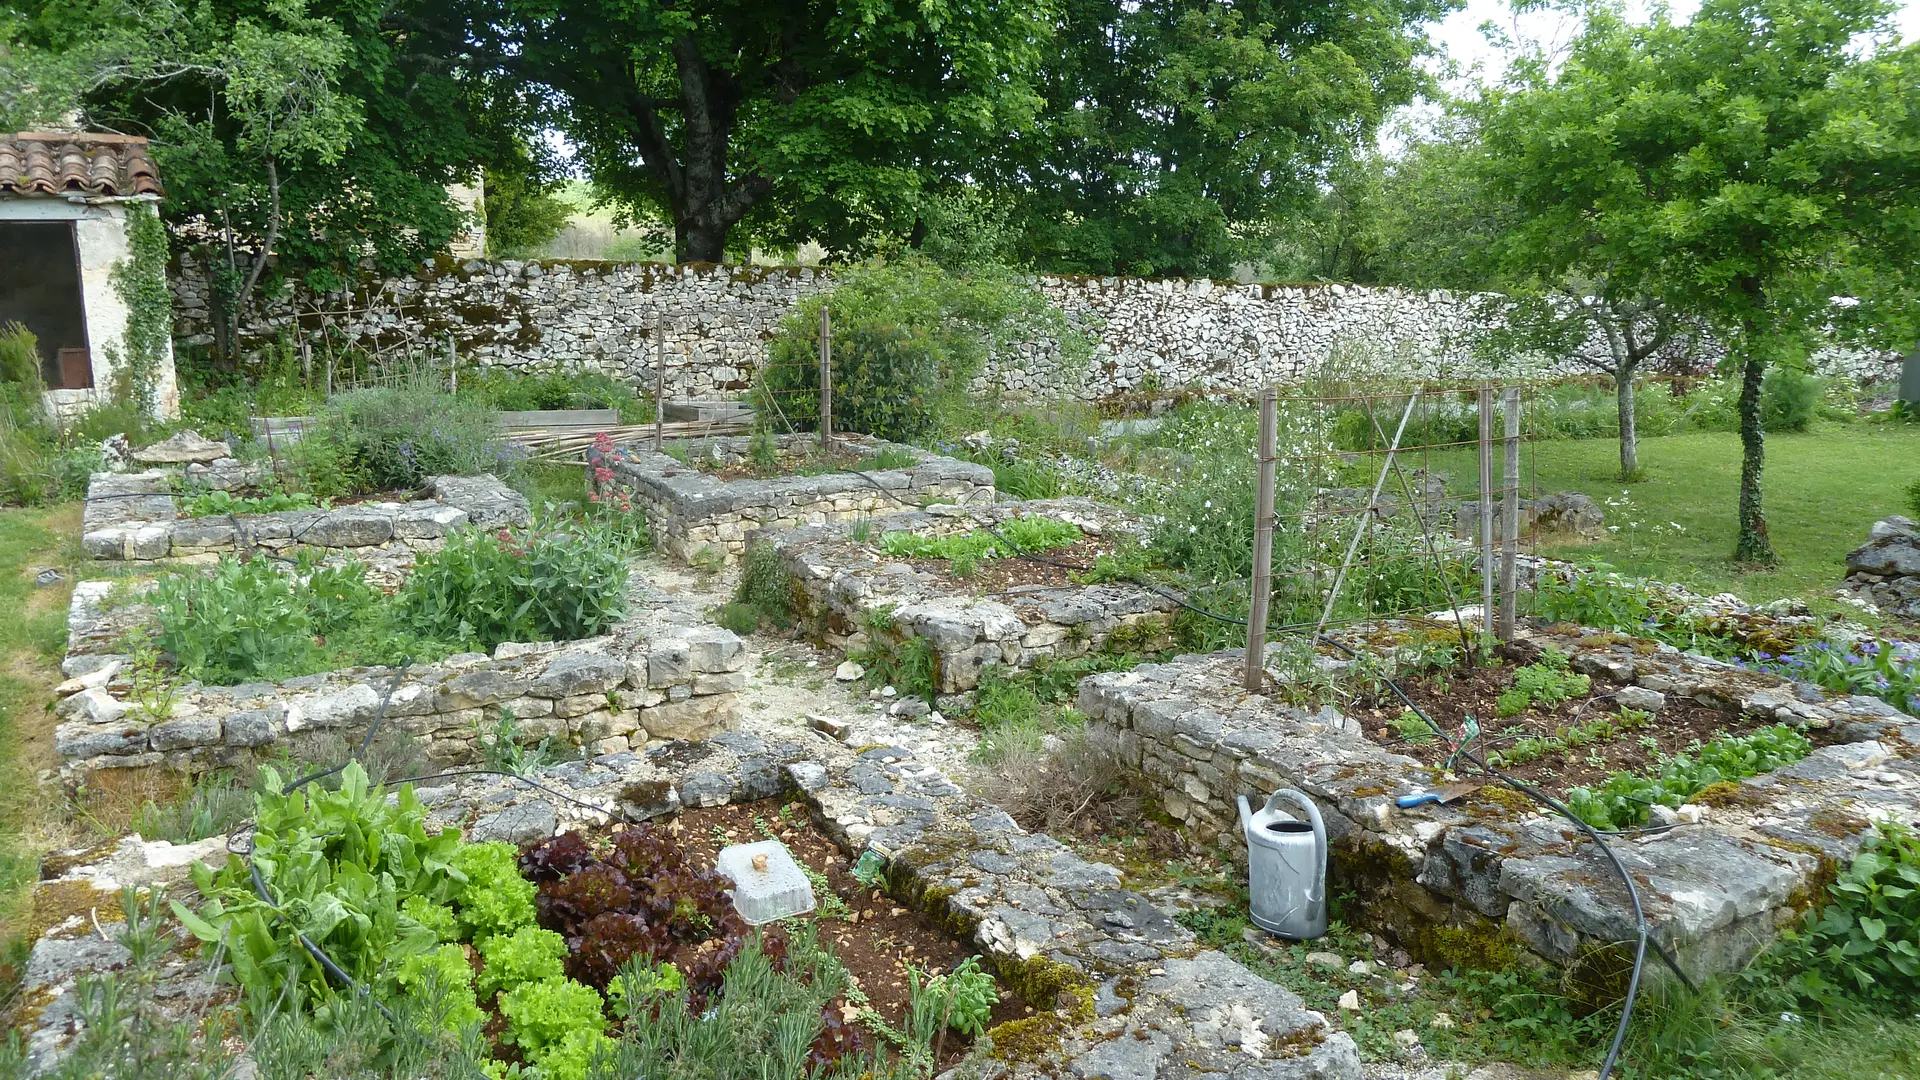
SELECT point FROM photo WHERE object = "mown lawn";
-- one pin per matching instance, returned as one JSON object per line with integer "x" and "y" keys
{"x": 1823, "y": 490}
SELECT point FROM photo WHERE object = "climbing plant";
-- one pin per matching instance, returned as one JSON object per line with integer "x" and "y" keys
{"x": 141, "y": 282}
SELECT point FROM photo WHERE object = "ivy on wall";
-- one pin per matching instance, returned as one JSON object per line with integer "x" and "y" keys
{"x": 141, "y": 281}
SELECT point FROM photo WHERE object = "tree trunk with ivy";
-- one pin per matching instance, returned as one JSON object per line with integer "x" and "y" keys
{"x": 1754, "y": 547}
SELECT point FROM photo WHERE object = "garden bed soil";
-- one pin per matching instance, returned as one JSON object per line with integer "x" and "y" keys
{"x": 1004, "y": 574}
{"x": 877, "y": 939}
{"x": 1450, "y": 697}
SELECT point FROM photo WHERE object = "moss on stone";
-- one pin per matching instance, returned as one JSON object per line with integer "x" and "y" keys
{"x": 1727, "y": 793}
{"x": 1466, "y": 948}
{"x": 1504, "y": 797}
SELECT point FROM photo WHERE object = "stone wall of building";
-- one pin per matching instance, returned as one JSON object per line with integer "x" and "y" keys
{"x": 603, "y": 316}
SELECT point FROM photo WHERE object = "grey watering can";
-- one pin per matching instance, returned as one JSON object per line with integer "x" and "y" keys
{"x": 1286, "y": 867}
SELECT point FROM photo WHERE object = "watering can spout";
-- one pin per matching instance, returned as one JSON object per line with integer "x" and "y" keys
{"x": 1246, "y": 815}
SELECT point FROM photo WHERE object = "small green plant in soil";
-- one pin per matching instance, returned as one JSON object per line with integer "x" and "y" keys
{"x": 1624, "y": 799}
{"x": 1544, "y": 683}
{"x": 764, "y": 596}
{"x": 1600, "y": 729}
{"x": 1876, "y": 668}
{"x": 215, "y": 503}
{"x": 1021, "y": 535}
{"x": 1017, "y": 708}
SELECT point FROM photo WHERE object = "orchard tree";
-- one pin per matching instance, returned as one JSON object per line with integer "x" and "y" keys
{"x": 771, "y": 121}
{"x": 1756, "y": 168}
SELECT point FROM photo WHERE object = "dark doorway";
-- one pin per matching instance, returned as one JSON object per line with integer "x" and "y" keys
{"x": 40, "y": 289}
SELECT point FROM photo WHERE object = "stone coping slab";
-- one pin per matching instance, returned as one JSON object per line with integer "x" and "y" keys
{"x": 697, "y": 515}
{"x": 133, "y": 517}
{"x": 648, "y": 679}
{"x": 1451, "y": 882}
{"x": 1119, "y": 989}
{"x": 843, "y": 580}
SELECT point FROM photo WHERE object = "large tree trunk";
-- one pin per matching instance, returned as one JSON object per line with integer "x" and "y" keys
{"x": 1629, "y": 424}
{"x": 695, "y": 241}
{"x": 1753, "y": 547}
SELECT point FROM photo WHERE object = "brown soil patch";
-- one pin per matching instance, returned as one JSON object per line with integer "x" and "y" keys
{"x": 1451, "y": 697}
{"x": 1053, "y": 568}
{"x": 876, "y": 940}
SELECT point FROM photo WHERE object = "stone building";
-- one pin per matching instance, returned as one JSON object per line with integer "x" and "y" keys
{"x": 65, "y": 244}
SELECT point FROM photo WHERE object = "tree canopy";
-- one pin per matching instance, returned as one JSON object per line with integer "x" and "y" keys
{"x": 1175, "y": 131}
{"x": 758, "y": 122}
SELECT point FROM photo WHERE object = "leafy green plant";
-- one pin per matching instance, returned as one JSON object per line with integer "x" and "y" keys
{"x": 541, "y": 1016}
{"x": 213, "y": 503}
{"x": 1410, "y": 728}
{"x": 1623, "y": 800}
{"x": 336, "y": 865}
{"x": 1864, "y": 942}
{"x": 965, "y": 996}
{"x": 764, "y": 595}
{"x": 527, "y": 955}
{"x": 242, "y": 621}
{"x": 1031, "y": 534}
{"x": 443, "y": 971}
{"x": 1545, "y": 683}
{"x": 1913, "y": 498}
{"x": 490, "y": 898}
{"x": 397, "y": 437}
{"x": 557, "y": 581}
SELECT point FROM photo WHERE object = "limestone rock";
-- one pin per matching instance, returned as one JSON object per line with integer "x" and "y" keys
{"x": 181, "y": 448}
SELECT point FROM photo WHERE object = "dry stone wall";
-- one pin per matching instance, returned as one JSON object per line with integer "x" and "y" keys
{"x": 1715, "y": 891}
{"x": 606, "y": 694}
{"x": 601, "y": 316}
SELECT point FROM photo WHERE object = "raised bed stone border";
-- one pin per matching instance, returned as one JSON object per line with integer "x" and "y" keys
{"x": 842, "y": 583}
{"x": 604, "y": 695}
{"x": 132, "y": 517}
{"x": 1490, "y": 873}
{"x": 1132, "y": 993}
{"x": 691, "y": 512}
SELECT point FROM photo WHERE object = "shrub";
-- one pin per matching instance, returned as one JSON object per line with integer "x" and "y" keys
{"x": 526, "y": 392}
{"x": 764, "y": 596}
{"x": 20, "y": 358}
{"x": 908, "y": 337}
{"x": 1913, "y": 498}
{"x": 1790, "y": 399}
{"x": 398, "y": 437}
{"x": 552, "y": 583}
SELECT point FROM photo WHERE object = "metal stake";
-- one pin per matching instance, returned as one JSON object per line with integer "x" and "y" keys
{"x": 660, "y": 389}
{"x": 826, "y": 379}
{"x": 1510, "y": 527}
{"x": 1487, "y": 569}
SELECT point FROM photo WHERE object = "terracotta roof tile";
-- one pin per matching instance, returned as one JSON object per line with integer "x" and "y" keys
{"x": 51, "y": 163}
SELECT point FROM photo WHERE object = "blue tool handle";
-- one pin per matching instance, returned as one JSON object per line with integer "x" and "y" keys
{"x": 1405, "y": 802}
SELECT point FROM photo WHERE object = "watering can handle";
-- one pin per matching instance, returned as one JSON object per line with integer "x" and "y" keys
{"x": 1319, "y": 832}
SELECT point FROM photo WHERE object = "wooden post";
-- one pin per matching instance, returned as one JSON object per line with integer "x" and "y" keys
{"x": 1487, "y": 569}
{"x": 453, "y": 367}
{"x": 1510, "y": 526}
{"x": 660, "y": 390}
{"x": 1263, "y": 540}
{"x": 826, "y": 379}
{"x": 306, "y": 363}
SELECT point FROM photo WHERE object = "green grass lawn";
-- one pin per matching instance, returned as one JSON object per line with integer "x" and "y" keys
{"x": 1823, "y": 490}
